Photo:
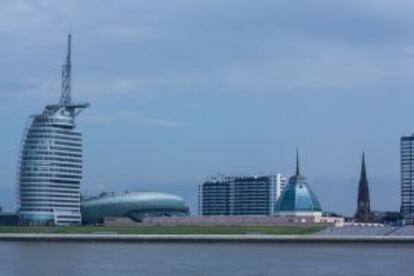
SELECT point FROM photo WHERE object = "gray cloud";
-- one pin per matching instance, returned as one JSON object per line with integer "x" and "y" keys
{"x": 132, "y": 117}
{"x": 137, "y": 47}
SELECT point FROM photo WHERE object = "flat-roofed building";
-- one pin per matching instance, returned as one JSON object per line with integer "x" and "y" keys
{"x": 240, "y": 195}
{"x": 407, "y": 178}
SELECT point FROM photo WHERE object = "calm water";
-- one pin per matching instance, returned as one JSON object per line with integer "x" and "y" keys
{"x": 31, "y": 258}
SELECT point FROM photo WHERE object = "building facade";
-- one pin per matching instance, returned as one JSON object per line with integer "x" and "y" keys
{"x": 50, "y": 164}
{"x": 407, "y": 178}
{"x": 240, "y": 195}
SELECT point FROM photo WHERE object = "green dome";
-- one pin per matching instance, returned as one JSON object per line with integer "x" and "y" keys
{"x": 298, "y": 197}
{"x": 135, "y": 205}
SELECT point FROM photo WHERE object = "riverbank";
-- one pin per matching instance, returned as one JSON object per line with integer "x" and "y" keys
{"x": 167, "y": 230}
{"x": 249, "y": 238}
{"x": 194, "y": 234}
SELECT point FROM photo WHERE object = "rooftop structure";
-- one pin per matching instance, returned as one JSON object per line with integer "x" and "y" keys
{"x": 298, "y": 199}
{"x": 50, "y": 165}
{"x": 132, "y": 205}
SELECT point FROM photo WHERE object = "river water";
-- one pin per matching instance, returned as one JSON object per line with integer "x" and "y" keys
{"x": 67, "y": 258}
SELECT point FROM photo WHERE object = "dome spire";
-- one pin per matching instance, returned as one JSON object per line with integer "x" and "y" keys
{"x": 297, "y": 162}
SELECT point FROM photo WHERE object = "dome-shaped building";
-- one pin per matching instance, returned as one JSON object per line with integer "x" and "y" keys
{"x": 298, "y": 199}
{"x": 132, "y": 205}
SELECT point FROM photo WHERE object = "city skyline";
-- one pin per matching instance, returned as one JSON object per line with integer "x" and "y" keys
{"x": 170, "y": 99}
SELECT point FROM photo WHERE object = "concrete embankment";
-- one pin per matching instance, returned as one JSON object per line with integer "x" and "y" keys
{"x": 204, "y": 238}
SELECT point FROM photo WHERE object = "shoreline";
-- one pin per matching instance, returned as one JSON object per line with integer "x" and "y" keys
{"x": 128, "y": 238}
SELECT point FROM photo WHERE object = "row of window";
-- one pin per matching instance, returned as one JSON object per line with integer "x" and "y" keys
{"x": 50, "y": 142}
{"x": 51, "y": 191}
{"x": 50, "y": 195}
{"x": 35, "y": 153}
{"x": 31, "y": 158}
{"x": 35, "y": 210}
{"x": 66, "y": 149}
{"x": 24, "y": 200}
{"x": 50, "y": 205}
{"x": 65, "y": 165}
{"x": 29, "y": 147}
{"x": 49, "y": 175}
{"x": 52, "y": 184}
{"x": 40, "y": 184}
{"x": 48, "y": 169}
{"x": 47, "y": 136}
{"x": 69, "y": 217}
{"x": 68, "y": 144}
{"x": 52, "y": 130}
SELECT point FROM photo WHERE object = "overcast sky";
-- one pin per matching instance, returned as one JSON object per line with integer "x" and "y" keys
{"x": 180, "y": 90}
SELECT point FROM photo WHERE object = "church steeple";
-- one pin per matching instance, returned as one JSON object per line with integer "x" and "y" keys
{"x": 363, "y": 168}
{"x": 363, "y": 213}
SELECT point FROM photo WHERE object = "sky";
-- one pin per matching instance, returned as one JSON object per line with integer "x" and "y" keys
{"x": 183, "y": 89}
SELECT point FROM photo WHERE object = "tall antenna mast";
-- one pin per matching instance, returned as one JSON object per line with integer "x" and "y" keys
{"x": 65, "y": 98}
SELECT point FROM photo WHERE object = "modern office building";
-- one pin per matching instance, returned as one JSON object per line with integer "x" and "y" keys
{"x": 240, "y": 195}
{"x": 298, "y": 199}
{"x": 407, "y": 178}
{"x": 363, "y": 213}
{"x": 132, "y": 205}
{"x": 214, "y": 197}
{"x": 50, "y": 166}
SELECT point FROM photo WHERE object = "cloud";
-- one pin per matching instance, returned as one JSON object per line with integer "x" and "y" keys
{"x": 131, "y": 33}
{"x": 163, "y": 123}
{"x": 137, "y": 49}
{"x": 139, "y": 85}
{"x": 132, "y": 117}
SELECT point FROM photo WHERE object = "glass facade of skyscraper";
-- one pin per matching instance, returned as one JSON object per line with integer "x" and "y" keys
{"x": 50, "y": 169}
{"x": 50, "y": 165}
{"x": 407, "y": 178}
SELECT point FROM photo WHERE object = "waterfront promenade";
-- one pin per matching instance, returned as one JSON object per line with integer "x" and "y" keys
{"x": 249, "y": 238}
{"x": 212, "y": 234}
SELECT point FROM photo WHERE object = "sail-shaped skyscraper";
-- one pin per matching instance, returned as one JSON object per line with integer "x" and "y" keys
{"x": 50, "y": 164}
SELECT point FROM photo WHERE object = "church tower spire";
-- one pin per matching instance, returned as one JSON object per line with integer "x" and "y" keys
{"x": 363, "y": 213}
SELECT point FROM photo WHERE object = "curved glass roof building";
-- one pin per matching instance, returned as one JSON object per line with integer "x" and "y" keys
{"x": 298, "y": 198}
{"x": 50, "y": 165}
{"x": 134, "y": 205}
